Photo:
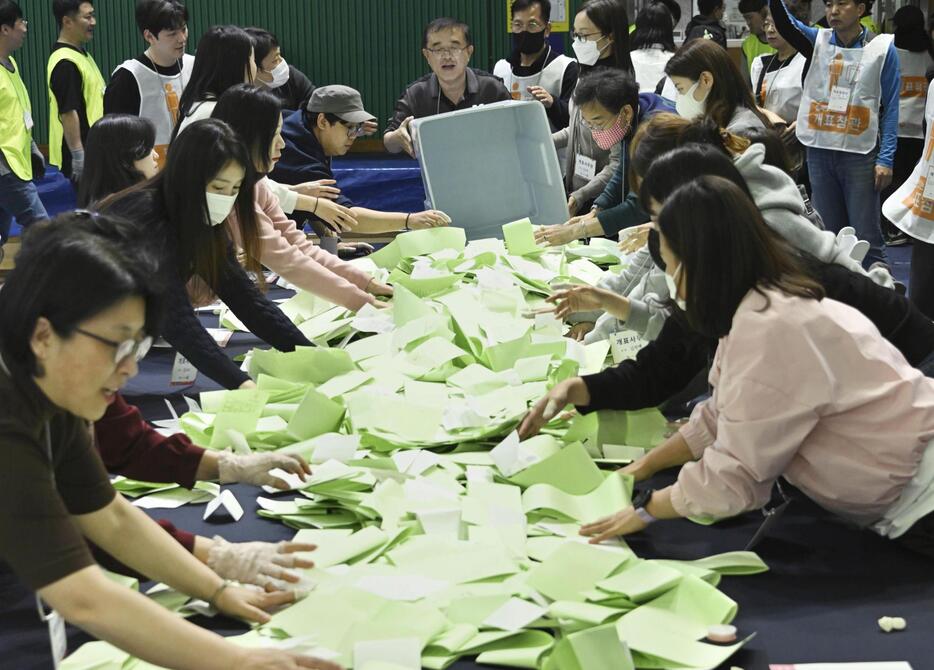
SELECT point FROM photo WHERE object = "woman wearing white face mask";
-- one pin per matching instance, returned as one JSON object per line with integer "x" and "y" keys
{"x": 805, "y": 387}
{"x": 254, "y": 115}
{"x": 286, "y": 81}
{"x": 601, "y": 39}
{"x": 710, "y": 84}
{"x": 207, "y": 175}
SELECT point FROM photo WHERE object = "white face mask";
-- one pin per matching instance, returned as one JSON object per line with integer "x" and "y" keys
{"x": 219, "y": 206}
{"x": 672, "y": 282}
{"x": 587, "y": 52}
{"x": 280, "y": 75}
{"x": 687, "y": 106}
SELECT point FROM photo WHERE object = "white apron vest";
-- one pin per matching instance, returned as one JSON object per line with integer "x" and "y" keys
{"x": 911, "y": 207}
{"x": 840, "y": 102}
{"x": 550, "y": 78}
{"x": 913, "y": 66}
{"x": 159, "y": 97}
{"x": 781, "y": 89}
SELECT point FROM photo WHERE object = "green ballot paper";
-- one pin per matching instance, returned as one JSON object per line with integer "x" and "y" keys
{"x": 598, "y": 647}
{"x": 520, "y": 238}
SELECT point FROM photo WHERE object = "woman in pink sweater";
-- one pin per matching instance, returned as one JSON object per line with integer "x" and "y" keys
{"x": 805, "y": 387}
{"x": 255, "y": 116}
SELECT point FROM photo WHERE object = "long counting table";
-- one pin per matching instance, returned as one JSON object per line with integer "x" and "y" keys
{"x": 828, "y": 583}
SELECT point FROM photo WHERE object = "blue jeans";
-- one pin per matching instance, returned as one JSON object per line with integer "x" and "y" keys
{"x": 20, "y": 199}
{"x": 844, "y": 191}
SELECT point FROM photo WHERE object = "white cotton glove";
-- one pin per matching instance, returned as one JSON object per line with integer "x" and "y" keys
{"x": 254, "y": 468}
{"x": 261, "y": 563}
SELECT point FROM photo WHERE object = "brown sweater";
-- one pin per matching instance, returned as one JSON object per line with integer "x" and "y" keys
{"x": 38, "y": 537}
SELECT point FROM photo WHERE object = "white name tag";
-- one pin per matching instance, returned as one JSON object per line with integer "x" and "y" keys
{"x": 929, "y": 184}
{"x": 839, "y": 98}
{"x": 585, "y": 168}
{"x": 624, "y": 345}
{"x": 183, "y": 372}
{"x": 27, "y": 119}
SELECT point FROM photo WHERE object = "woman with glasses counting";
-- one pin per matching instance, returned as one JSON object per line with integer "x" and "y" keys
{"x": 805, "y": 387}
{"x": 601, "y": 40}
{"x": 77, "y": 312}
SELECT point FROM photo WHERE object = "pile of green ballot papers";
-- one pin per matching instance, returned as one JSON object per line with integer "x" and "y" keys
{"x": 441, "y": 534}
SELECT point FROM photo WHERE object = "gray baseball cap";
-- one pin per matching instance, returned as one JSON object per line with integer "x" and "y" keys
{"x": 342, "y": 101}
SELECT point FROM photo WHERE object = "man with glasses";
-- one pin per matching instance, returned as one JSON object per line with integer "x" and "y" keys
{"x": 329, "y": 125}
{"x": 447, "y": 46}
{"x": 76, "y": 86}
{"x": 535, "y": 71}
{"x": 20, "y": 160}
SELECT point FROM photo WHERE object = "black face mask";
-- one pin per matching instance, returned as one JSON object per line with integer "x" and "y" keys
{"x": 529, "y": 43}
{"x": 655, "y": 248}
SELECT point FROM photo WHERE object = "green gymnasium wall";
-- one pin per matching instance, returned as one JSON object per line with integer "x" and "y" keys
{"x": 372, "y": 45}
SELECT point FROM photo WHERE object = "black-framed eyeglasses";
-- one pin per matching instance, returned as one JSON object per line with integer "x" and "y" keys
{"x": 122, "y": 350}
{"x": 354, "y": 130}
{"x": 532, "y": 26}
{"x": 582, "y": 37}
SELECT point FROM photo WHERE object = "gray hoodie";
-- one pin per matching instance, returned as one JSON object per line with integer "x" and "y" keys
{"x": 779, "y": 200}
{"x": 784, "y": 211}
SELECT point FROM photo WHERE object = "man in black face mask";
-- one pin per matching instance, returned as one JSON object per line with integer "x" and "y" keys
{"x": 535, "y": 71}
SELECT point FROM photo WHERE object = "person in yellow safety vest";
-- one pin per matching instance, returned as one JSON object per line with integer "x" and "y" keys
{"x": 76, "y": 86}
{"x": 18, "y": 151}
{"x": 755, "y": 13}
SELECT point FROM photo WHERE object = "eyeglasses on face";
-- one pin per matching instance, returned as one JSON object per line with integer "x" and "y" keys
{"x": 532, "y": 26}
{"x": 354, "y": 130}
{"x": 122, "y": 350}
{"x": 449, "y": 52}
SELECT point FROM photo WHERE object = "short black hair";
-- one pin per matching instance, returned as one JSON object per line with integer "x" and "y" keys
{"x": 747, "y": 6}
{"x": 10, "y": 13}
{"x": 263, "y": 43}
{"x": 63, "y": 8}
{"x": 523, "y": 5}
{"x": 612, "y": 88}
{"x": 446, "y": 23}
{"x": 158, "y": 15}
{"x": 69, "y": 270}
{"x": 310, "y": 118}
{"x": 708, "y": 7}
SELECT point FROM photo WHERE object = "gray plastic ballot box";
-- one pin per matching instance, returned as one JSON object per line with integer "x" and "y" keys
{"x": 491, "y": 164}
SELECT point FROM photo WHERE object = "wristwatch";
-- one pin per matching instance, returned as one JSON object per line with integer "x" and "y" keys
{"x": 639, "y": 502}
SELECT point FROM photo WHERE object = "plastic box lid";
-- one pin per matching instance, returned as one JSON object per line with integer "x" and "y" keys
{"x": 491, "y": 164}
